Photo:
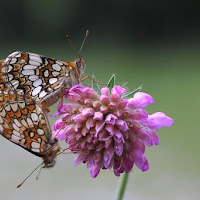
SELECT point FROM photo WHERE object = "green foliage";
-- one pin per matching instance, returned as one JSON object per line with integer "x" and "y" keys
{"x": 128, "y": 95}
{"x": 95, "y": 86}
{"x": 111, "y": 82}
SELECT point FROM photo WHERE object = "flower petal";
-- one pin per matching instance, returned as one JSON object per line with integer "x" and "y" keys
{"x": 118, "y": 148}
{"x": 110, "y": 119}
{"x": 140, "y": 100}
{"x": 88, "y": 112}
{"x": 105, "y": 91}
{"x": 79, "y": 159}
{"x": 116, "y": 93}
{"x": 98, "y": 116}
{"x": 105, "y": 100}
{"x": 94, "y": 171}
{"x": 121, "y": 125}
{"x": 146, "y": 164}
{"x": 158, "y": 120}
{"x": 58, "y": 124}
{"x": 122, "y": 104}
{"x": 60, "y": 134}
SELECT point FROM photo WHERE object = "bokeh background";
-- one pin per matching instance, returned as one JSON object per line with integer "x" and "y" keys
{"x": 154, "y": 43}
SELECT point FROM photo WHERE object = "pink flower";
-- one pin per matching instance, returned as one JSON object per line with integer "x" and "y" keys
{"x": 107, "y": 131}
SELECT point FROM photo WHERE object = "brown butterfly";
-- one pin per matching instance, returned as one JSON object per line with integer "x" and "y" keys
{"x": 25, "y": 123}
{"x": 43, "y": 78}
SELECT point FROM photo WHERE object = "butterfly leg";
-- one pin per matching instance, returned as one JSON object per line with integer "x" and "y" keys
{"x": 62, "y": 92}
{"x": 47, "y": 109}
{"x": 62, "y": 151}
{"x": 89, "y": 77}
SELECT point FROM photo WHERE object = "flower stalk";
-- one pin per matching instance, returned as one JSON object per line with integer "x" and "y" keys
{"x": 122, "y": 186}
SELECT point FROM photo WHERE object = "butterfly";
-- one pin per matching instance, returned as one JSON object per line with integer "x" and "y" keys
{"x": 25, "y": 123}
{"x": 43, "y": 78}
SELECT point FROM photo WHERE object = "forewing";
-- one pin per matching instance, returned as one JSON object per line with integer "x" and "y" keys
{"x": 24, "y": 123}
{"x": 34, "y": 74}
{"x": 2, "y": 78}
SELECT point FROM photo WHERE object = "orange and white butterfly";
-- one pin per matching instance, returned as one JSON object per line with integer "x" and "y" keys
{"x": 41, "y": 77}
{"x": 25, "y": 123}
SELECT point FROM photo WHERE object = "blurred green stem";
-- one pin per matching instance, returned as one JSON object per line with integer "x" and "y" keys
{"x": 122, "y": 186}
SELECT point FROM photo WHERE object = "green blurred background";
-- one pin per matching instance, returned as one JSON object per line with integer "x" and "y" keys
{"x": 154, "y": 43}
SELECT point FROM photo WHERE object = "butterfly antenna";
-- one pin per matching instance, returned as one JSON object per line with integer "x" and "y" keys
{"x": 72, "y": 46}
{"x": 37, "y": 177}
{"x": 29, "y": 175}
{"x": 86, "y": 35}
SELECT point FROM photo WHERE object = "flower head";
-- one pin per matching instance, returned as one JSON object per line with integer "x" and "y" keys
{"x": 108, "y": 131}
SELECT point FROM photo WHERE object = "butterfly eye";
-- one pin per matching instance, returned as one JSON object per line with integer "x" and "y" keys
{"x": 49, "y": 162}
{"x": 78, "y": 64}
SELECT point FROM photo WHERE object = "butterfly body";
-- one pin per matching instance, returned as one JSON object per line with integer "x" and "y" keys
{"x": 25, "y": 123}
{"x": 42, "y": 77}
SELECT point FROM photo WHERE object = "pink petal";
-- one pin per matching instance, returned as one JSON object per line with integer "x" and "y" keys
{"x": 103, "y": 135}
{"x": 96, "y": 104}
{"x": 118, "y": 136}
{"x": 90, "y": 93}
{"x": 104, "y": 109}
{"x": 138, "y": 114}
{"x": 121, "y": 125}
{"x": 122, "y": 104}
{"x": 107, "y": 156}
{"x": 90, "y": 123}
{"x": 84, "y": 131}
{"x": 110, "y": 128}
{"x": 88, "y": 112}
{"x": 147, "y": 136}
{"x": 118, "y": 148}
{"x": 144, "y": 136}
{"x": 112, "y": 107}
{"x": 158, "y": 120}
{"x": 99, "y": 126}
{"x": 94, "y": 171}
{"x": 116, "y": 93}
{"x": 79, "y": 159}
{"x": 108, "y": 142}
{"x": 110, "y": 119}
{"x": 88, "y": 102}
{"x": 146, "y": 164}
{"x": 58, "y": 124}
{"x": 79, "y": 118}
{"x": 140, "y": 100}
{"x": 64, "y": 108}
{"x": 60, "y": 134}
{"x": 118, "y": 89}
{"x": 105, "y": 91}
{"x": 129, "y": 166}
{"x": 77, "y": 89}
{"x": 105, "y": 100}
{"x": 98, "y": 116}
{"x": 69, "y": 130}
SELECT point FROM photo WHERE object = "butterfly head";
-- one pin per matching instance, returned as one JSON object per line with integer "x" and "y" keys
{"x": 49, "y": 162}
{"x": 80, "y": 64}
{"x": 50, "y": 155}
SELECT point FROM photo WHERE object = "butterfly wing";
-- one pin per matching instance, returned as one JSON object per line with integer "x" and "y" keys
{"x": 34, "y": 74}
{"x": 24, "y": 123}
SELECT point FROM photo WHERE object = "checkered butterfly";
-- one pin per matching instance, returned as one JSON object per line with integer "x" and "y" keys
{"x": 41, "y": 77}
{"x": 25, "y": 123}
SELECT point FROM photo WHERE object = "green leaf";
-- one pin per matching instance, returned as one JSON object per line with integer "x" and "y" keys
{"x": 130, "y": 94}
{"x": 124, "y": 85}
{"x": 111, "y": 82}
{"x": 95, "y": 86}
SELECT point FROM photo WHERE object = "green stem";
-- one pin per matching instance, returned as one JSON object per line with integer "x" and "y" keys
{"x": 122, "y": 186}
